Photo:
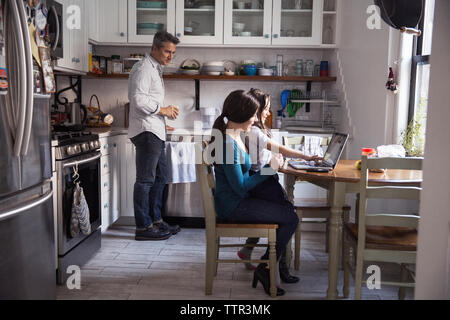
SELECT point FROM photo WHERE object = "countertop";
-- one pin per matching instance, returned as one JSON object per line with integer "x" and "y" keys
{"x": 108, "y": 131}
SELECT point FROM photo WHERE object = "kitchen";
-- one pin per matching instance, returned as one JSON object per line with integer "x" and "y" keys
{"x": 112, "y": 28}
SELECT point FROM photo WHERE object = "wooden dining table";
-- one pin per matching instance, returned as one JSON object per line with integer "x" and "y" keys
{"x": 342, "y": 180}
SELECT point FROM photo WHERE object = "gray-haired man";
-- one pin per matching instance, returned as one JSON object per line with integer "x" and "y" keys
{"x": 147, "y": 131}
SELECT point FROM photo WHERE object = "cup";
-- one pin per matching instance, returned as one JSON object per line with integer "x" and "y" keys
{"x": 241, "y": 5}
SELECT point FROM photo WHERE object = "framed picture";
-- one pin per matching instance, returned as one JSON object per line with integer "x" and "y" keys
{"x": 47, "y": 70}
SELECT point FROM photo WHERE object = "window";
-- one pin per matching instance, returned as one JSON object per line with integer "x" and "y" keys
{"x": 420, "y": 76}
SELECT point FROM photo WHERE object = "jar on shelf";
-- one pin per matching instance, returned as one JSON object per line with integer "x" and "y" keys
{"x": 116, "y": 64}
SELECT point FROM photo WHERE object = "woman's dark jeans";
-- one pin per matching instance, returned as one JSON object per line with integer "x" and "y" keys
{"x": 151, "y": 178}
{"x": 272, "y": 209}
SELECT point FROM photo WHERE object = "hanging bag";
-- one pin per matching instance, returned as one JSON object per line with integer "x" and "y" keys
{"x": 79, "y": 219}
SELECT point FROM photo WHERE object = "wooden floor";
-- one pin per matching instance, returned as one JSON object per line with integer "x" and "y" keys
{"x": 173, "y": 269}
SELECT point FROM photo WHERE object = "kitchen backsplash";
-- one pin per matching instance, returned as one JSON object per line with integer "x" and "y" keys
{"x": 113, "y": 93}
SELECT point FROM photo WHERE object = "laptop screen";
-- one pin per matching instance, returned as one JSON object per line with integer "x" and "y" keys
{"x": 335, "y": 149}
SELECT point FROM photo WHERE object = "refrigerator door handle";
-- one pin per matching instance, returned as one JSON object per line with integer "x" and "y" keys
{"x": 18, "y": 210}
{"x": 29, "y": 79}
{"x": 21, "y": 55}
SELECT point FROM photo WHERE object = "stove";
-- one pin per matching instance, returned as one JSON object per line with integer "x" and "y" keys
{"x": 72, "y": 144}
{"x": 77, "y": 160}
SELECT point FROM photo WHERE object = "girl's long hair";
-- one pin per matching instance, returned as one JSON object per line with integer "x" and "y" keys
{"x": 238, "y": 107}
{"x": 263, "y": 99}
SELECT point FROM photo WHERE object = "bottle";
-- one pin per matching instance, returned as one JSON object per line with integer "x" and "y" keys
{"x": 280, "y": 65}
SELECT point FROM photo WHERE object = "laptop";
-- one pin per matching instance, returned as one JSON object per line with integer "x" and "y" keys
{"x": 331, "y": 158}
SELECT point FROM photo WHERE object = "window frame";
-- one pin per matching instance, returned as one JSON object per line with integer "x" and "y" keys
{"x": 417, "y": 59}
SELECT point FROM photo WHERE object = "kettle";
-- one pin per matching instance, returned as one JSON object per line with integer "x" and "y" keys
{"x": 74, "y": 110}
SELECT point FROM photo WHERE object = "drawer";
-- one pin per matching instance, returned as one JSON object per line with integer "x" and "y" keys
{"x": 105, "y": 181}
{"x": 105, "y": 165}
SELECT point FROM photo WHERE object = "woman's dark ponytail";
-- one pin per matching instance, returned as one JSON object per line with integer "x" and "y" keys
{"x": 220, "y": 124}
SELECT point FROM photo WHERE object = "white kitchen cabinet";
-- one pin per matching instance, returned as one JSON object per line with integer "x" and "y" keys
{"x": 75, "y": 36}
{"x": 248, "y": 22}
{"x": 279, "y": 22}
{"x": 297, "y": 22}
{"x": 128, "y": 178}
{"x": 110, "y": 172}
{"x": 145, "y": 18}
{"x": 199, "y": 24}
{"x": 108, "y": 21}
{"x": 329, "y": 25}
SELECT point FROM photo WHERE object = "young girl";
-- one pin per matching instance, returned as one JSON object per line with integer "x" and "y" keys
{"x": 234, "y": 182}
{"x": 260, "y": 145}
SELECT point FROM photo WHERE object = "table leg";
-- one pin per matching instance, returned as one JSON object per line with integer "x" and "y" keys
{"x": 336, "y": 200}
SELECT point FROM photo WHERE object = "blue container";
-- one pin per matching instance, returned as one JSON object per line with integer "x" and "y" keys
{"x": 250, "y": 70}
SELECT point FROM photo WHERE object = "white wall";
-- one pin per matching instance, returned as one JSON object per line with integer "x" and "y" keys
{"x": 433, "y": 257}
{"x": 364, "y": 58}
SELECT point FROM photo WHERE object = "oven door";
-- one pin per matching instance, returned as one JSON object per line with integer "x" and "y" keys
{"x": 55, "y": 28}
{"x": 88, "y": 167}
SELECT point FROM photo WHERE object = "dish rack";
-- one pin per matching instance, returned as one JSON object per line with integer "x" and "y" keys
{"x": 323, "y": 114}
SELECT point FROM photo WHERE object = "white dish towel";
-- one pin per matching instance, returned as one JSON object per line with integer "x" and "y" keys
{"x": 312, "y": 146}
{"x": 181, "y": 162}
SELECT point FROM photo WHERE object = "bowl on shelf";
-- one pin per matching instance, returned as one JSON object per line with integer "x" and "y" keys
{"x": 250, "y": 70}
{"x": 265, "y": 72}
{"x": 238, "y": 27}
{"x": 246, "y": 34}
{"x": 213, "y": 64}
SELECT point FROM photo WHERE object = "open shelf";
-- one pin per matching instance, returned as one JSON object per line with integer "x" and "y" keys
{"x": 222, "y": 77}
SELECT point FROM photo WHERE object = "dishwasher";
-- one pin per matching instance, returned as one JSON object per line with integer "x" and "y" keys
{"x": 184, "y": 200}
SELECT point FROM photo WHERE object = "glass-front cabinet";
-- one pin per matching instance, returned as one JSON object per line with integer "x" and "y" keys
{"x": 145, "y": 18}
{"x": 297, "y": 22}
{"x": 199, "y": 22}
{"x": 248, "y": 22}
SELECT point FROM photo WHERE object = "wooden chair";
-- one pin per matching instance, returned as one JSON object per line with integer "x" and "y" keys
{"x": 315, "y": 208}
{"x": 382, "y": 237}
{"x": 215, "y": 231}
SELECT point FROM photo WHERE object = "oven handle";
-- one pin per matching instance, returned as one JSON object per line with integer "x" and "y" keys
{"x": 16, "y": 211}
{"x": 77, "y": 163}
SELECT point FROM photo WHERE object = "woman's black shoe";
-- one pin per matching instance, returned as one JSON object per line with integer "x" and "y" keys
{"x": 262, "y": 275}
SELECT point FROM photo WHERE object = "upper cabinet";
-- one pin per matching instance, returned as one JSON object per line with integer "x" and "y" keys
{"x": 145, "y": 18}
{"x": 293, "y": 23}
{"x": 274, "y": 22}
{"x": 248, "y": 22}
{"x": 199, "y": 22}
{"x": 75, "y": 36}
{"x": 108, "y": 20}
{"x": 297, "y": 22}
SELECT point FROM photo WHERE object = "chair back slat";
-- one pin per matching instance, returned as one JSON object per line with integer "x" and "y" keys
{"x": 392, "y": 220}
{"x": 205, "y": 174}
{"x": 406, "y": 193}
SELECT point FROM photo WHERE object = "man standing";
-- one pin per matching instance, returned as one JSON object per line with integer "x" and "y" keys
{"x": 147, "y": 131}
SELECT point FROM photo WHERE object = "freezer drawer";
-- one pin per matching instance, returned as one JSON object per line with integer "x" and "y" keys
{"x": 27, "y": 246}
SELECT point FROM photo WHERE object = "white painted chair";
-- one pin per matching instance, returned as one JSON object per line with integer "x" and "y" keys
{"x": 382, "y": 237}
{"x": 215, "y": 231}
{"x": 315, "y": 208}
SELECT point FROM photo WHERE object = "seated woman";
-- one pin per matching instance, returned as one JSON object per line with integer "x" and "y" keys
{"x": 259, "y": 142}
{"x": 234, "y": 182}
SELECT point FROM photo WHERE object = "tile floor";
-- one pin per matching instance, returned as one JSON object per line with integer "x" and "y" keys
{"x": 173, "y": 269}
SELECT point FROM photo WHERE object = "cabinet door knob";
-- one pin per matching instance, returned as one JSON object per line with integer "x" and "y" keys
{"x": 266, "y": 36}
{"x": 178, "y": 34}
{"x": 275, "y": 36}
{"x": 122, "y": 34}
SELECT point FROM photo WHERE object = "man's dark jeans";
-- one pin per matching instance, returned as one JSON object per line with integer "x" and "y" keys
{"x": 151, "y": 178}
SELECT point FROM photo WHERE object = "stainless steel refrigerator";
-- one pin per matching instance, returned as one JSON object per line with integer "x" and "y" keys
{"x": 27, "y": 244}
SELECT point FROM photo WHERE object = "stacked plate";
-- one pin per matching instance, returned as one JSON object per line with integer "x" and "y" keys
{"x": 213, "y": 68}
